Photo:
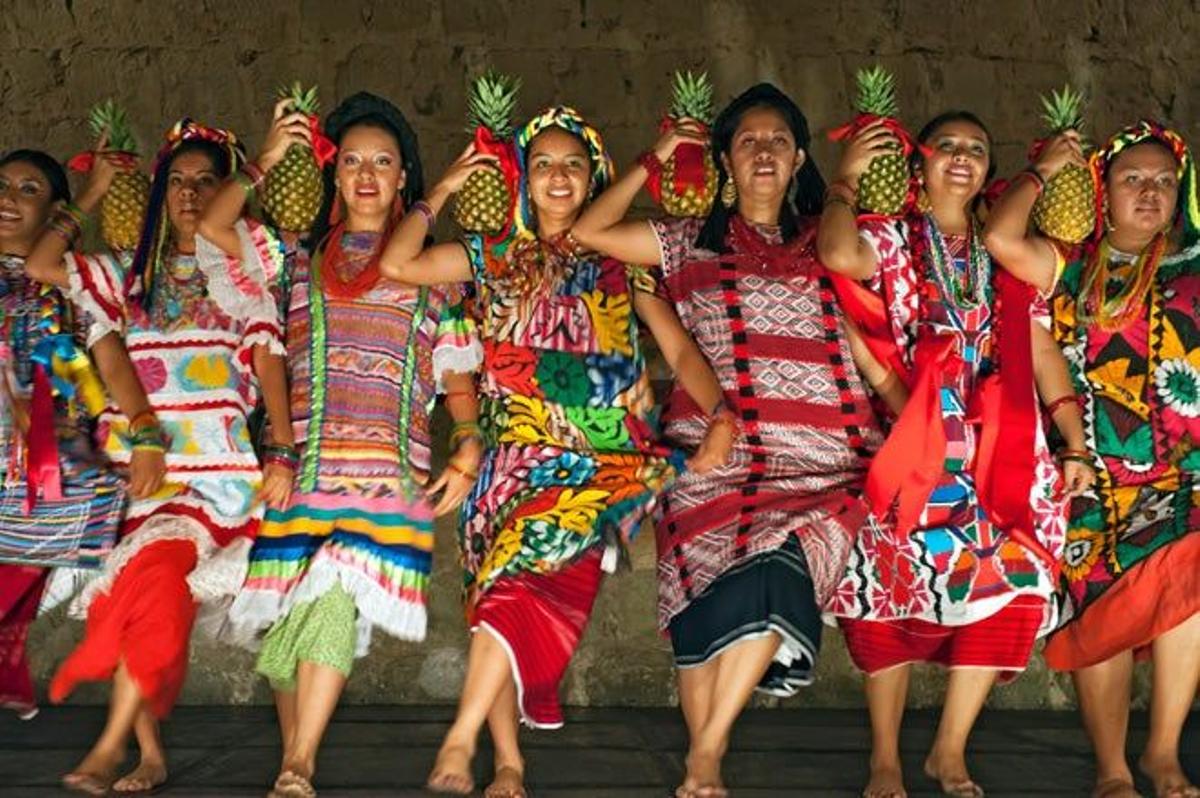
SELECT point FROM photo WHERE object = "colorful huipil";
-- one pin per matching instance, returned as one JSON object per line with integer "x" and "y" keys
{"x": 195, "y": 363}
{"x": 364, "y": 373}
{"x": 944, "y": 564}
{"x": 1131, "y": 567}
{"x": 78, "y": 527}
{"x": 766, "y": 317}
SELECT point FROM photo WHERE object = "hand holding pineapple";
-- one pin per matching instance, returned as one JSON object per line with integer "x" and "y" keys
{"x": 288, "y": 127}
{"x": 1065, "y": 149}
{"x": 457, "y": 173}
{"x": 873, "y": 140}
{"x": 106, "y": 165}
{"x": 1066, "y": 207}
{"x": 680, "y": 131}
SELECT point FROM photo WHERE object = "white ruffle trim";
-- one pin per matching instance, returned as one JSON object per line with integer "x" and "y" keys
{"x": 219, "y": 571}
{"x": 101, "y": 273}
{"x": 456, "y": 360}
{"x": 254, "y": 611}
{"x": 268, "y": 338}
{"x": 240, "y": 285}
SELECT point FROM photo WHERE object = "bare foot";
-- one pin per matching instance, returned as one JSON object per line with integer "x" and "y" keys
{"x": 1115, "y": 788}
{"x": 149, "y": 773}
{"x": 94, "y": 774}
{"x": 703, "y": 777}
{"x": 951, "y": 772}
{"x": 1169, "y": 779}
{"x": 886, "y": 782}
{"x": 452, "y": 771}
{"x": 509, "y": 782}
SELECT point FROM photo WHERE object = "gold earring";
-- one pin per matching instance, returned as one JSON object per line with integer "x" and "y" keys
{"x": 729, "y": 193}
{"x": 924, "y": 204}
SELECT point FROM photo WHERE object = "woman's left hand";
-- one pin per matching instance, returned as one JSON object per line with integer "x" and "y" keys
{"x": 715, "y": 449}
{"x": 276, "y": 486}
{"x": 458, "y": 477}
{"x": 1077, "y": 478}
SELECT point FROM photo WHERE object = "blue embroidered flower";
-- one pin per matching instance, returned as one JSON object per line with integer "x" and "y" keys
{"x": 567, "y": 468}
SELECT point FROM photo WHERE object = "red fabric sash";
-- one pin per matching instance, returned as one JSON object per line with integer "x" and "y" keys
{"x": 487, "y": 143}
{"x": 42, "y": 471}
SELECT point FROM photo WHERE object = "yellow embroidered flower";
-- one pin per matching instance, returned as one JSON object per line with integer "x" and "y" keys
{"x": 610, "y": 321}
{"x": 576, "y": 511}
{"x": 528, "y": 421}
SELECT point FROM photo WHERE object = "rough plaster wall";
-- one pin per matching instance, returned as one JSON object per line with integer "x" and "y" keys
{"x": 220, "y": 61}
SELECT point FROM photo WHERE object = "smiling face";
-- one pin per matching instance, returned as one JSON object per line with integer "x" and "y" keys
{"x": 192, "y": 181}
{"x": 559, "y": 177}
{"x": 1143, "y": 190}
{"x": 25, "y": 205}
{"x": 370, "y": 173}
{"x": 957, "y": 167}
{"x": 763, "y": 156}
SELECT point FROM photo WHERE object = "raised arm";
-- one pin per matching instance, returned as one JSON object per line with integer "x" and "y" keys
{"x": 224, "y": 210}
{"x": 406, "y": 258}
{"x": 602, "y": 226}
{"x": 45, "y": 261}
{"x": 838, "y": 244}
{"x": 1007, "y": 235}
{"x": 695, "y": 375}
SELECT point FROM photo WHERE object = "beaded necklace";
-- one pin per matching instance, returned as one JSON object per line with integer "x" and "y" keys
{"x": 972, "y": 287}
{"x": 1116, "y": 312}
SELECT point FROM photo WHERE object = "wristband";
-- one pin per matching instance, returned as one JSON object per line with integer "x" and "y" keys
{"x": 649, "y": 161}
{"x": 1054, "y": 406}
{"x": 425, "y": 209}
{"x": 1034, "y": 175}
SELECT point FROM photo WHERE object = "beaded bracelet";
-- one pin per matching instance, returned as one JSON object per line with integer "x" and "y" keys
{"x": 425, "y": 209}
{"x": 254, "y": 173}
{"x": 1053, "y": 407}
{"x": 1034, "y": 175}
{"x": 1075, "y": 458}
{"x": 462, "y": 430}
{"x": 649, "y": 161}
{"x": 148, "y": 437}
{"x": 462, "y": 471}
{"x": 281, "y": 455}
{"x": 67, "y": 222}
{"x": 146, "y": 415}
{"x": 1078, "y": 455}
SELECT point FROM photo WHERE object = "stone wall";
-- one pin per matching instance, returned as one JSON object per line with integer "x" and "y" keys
{"x": 220, "y": 60}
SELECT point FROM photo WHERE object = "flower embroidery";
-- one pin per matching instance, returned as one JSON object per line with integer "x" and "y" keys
{"x": 568, "y": 468}
{"x": 1178, "y": 385}
{"x": 563, "y": 378}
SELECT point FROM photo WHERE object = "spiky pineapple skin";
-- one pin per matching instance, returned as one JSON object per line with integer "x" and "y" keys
{"x": 1066, "y": 210}
{"x": 294, "y": 190}
{"x": 482, "y": 204}
{"x": 691, "y": 202}
{"x": 883, "y": 187}
{"x": 123, "y": 210}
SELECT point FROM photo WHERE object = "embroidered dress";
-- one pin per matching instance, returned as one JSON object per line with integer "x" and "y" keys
{"x": 76, "y": 528}
{"x": 919, "y": 594}
{"x": 1131, "y": 568}
{"x": 194, "y": 362}
{"x": 570, "y": 467}
{"x": 364, "y": 373}
{"x": 758, "y": 544}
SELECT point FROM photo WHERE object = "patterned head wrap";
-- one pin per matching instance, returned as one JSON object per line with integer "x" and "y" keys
{"x": 155, "y": 233}
{"x": 1188, "y": 207}
{"x": 568, "y": 119}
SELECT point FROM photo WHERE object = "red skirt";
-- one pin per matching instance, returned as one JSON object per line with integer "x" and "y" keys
{"x": 538, "y": 619}
{"x": 1003, "y": 641}
{"x": 145, "y": 622}
{"x": 21, "y": 589}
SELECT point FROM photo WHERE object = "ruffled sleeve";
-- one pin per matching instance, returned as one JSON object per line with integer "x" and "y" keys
{"x": 242, "y": 286}
{"x": 97, "y": 289}
{"x": 456, "y": 346}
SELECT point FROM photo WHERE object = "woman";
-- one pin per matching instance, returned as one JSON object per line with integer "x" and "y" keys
{"x": 351, "y": 550}
{"x": 37, "y": 342}
{"x": 185, "y": 535}
{"x": 570, "y": 467}
{"x": 960, "y": 569}
{"x": 749, "y": 552}
{"x": 1125, "y": 313}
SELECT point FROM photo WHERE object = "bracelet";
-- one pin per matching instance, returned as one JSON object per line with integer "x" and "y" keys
{"x": 839, "y": 185}
{"x": 273, "y": 459}
{"x": 1065, "y": 454}
{"x": 462, "y": 430}
{"x": 456, "y": 394}
{"x": 67, "y": 222}
{"x": 837, "y": 199}
{"x": 146, "y": 415}
{"x": 246, "y": 183}
{"x": 1076, "y": 458}
{"x": 425, "y": 209}
{"x": 649, "y": 161}
{"x": 281, "y": 455}
{"x": 1069, "y": 399}
{"x": 148, "y": 437}
{"x": 726, "y": 416}
{"x": 462, "y": 471}
{"x": 254, "y": 173}
{"x": 1035, "y": 176}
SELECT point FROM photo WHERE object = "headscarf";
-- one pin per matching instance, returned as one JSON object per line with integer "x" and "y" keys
{"x": 155, "y": 235}
{"x": 1188, "y": 207}
{"x": 568, "y": 119}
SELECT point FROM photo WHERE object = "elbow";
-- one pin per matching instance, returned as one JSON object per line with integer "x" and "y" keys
{"x": 584, "y": 233}
{"x": 997, "y": 242}
{"x": 844, "y": 261}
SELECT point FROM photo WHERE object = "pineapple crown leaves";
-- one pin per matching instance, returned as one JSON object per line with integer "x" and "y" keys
{"x": 303, "y": 100}
{"x": 491, "y": 103}
{"x": 1062, "y": 110}
{"x": 876, "y": 92}
{"x": 109, "y": 117}
{"x": 692, "y": 96}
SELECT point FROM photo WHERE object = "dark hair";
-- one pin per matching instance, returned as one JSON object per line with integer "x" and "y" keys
{"x": 807, "y": 188}
{"x": 956, "y": 115}
{"x": 56, "y": 177}
{"x": 370, "y": 110}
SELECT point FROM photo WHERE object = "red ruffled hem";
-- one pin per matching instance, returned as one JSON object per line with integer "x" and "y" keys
{"x": 21, "y": 589}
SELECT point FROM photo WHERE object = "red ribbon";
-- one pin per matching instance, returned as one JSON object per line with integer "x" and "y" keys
{"x": 487, "y": 143}
{"x": 689, "y": 165}
{"x": 42, "y": 472}
{"x": 323, "y": 148}
{"x": 867, "y": 308}
{"x": 907, "y": 144}
{"x": 84, "y": 161}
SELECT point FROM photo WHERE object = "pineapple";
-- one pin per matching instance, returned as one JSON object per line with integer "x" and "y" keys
{"x": 294, "y": 189}
{"x": 883, "y": 187}
{"x": 1066, "y": 210}
{"x": 482, "y": 205}
{"x": 123, "y": 209}
{"x": 692, "y": 98}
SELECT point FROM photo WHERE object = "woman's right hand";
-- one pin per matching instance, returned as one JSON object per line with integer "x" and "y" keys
{"x": 866, "y": 145}
{"x": 106, "y": 165}
{"x": 679, "y": 131}
{"x": 465, "y": 165}
{"x": 1059, "y": 151}
{"x": 288, "y": 127}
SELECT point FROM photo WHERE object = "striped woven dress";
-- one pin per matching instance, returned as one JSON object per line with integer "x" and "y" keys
{"x": 364, "y": 376}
